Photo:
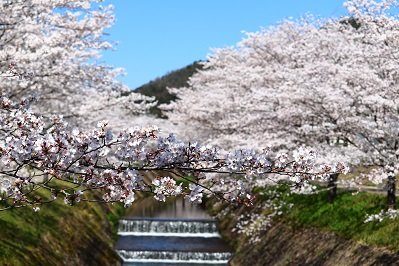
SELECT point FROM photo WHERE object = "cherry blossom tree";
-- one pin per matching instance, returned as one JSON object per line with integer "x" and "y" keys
{"x": 329, "y": 84}
{"x": 53, "y": 48}
{"x": 49, "y": 71}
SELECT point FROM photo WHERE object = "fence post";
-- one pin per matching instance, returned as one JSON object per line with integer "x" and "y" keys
{"x": 332, "y": 187}
{"x": 391, "y": 190}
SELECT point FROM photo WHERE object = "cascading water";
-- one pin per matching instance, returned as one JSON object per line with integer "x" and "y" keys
{"x": 183, "y": 228}
{"x": 176, "y": 257}
{"x": 175, "y": 238}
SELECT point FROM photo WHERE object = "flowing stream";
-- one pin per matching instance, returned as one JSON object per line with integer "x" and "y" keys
{"x": 172, "y": 233}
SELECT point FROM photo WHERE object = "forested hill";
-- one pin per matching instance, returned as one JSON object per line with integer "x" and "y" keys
{"x": 177, "y": 78}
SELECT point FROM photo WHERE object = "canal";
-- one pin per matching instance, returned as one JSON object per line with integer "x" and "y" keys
{"x": 174, "y": 232}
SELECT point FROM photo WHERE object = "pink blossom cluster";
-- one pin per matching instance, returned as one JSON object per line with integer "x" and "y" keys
{"x": 35, "y": 151}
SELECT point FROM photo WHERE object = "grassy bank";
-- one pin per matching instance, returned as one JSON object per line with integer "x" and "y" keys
{"x": 309, "y": 231}
{"x": 59, "y": 234}
{"x": 345, "y": 216}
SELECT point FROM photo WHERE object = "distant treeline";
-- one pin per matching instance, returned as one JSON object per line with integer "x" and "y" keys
{"x": 175, "y": 79}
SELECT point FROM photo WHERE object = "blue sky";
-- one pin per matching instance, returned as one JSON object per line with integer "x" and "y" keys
{"x": 158, "y": 36}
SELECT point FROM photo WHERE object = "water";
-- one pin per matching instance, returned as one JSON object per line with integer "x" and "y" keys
{"x": 172, "y": 233}
{"x": 176, "y": 208}
{"x": 176, "y": 257}
{"x": 168, "y": 227}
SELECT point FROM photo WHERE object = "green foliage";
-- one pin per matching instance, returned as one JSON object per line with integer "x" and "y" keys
{"x": 345, "y": 216}
{"x": 117, "y": 211}
{"x": 186, "y": 180}
{"x": 174, "y": 79}
{"x": 352, "y": 21}
{"x": 58, "y": 232}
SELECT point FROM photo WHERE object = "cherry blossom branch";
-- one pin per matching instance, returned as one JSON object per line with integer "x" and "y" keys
{"x": 111, "y": 163}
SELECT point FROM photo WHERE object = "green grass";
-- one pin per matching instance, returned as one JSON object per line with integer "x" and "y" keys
{"x": 117, "y": 211}
{"x": 55, "y": 232}
{"x": 345, "y": 216}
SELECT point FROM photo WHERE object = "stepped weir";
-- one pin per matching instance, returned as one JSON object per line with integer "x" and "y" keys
{"x": 172, "y": 233}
